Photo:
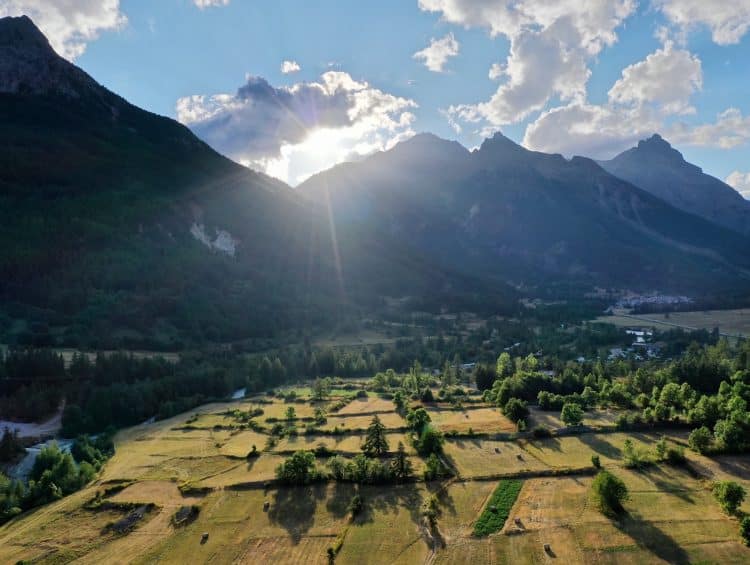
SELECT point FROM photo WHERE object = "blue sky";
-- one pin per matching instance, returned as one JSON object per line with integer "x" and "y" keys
{"x": 555, "y": 94}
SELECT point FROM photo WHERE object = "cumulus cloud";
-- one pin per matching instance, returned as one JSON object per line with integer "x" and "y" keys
{"x": 646, "y": 98}
{"x": 288, "y": 67}
{"x": 292, "y": 132}
{"x": 210, "y": 3}
{"x": 667, "y": 77}
{"x": 69, "y": 25}
{"x": 740, "y": 182}
{"x": 731, "y": 129}
{"x": 728, "y": 20}
{"x": 551, "y": 44}
{"x": 437, "y": 53}
{"x": 598, "y": 131}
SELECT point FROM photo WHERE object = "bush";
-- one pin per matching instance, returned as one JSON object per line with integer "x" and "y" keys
{"x": 541, "y": 432}
{"x": 610, "y": 492}
{"x": 729, "y": 494}
{"x": 700, "y": 439}
{"x": 515, "y": 409}
{"x": 676, "y": 456}
{"x": 745, "y": 530}
{"x": 595, "y": 461}
{"x": 571, "y": 414}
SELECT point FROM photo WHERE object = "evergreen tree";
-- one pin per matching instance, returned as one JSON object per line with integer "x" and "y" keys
{"x": 376, "y": 443}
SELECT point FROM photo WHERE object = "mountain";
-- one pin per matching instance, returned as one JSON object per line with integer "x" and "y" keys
{"x": 655, "y": 166}
{"x": 119, "y": 227}
{"x": 535, "y": 219}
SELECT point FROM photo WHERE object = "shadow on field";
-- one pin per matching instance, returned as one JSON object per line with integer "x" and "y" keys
{"x": 339, "y": 499}
{"x": 647, "y": 536}
{"x": 389, "y": 500}
{"x": 293, "y": 509}
{"x": 667, "y": 484}
{"x": 738, "y": 465}
{"x": 551, "y": 443}
{"x": 601, "y": 446}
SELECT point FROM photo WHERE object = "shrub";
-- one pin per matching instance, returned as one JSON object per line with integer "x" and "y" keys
{"x": 541, "y": 432}
{"x": 700, "y": 439}
{"x": 729, "y": 494}
{"x": 610, "y": 492}
{"x": 595, "y": 461}
{"x": 515, "y": 409}
{"x": 745, "y": 530}
{"x": 676, "y": 456}
{"x": 571, "y": 414}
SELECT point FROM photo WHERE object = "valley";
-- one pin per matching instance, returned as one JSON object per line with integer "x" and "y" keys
{"x": 200, "y": 460}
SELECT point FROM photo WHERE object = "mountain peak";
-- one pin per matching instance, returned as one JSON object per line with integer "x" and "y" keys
{"x": 30, "y": 66}
{"x": 22, "y": 34}
{"x": 499, "y": 142}
{"x": 657, "y": 145}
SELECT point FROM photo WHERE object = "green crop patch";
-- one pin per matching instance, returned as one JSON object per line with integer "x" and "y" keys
{"x": 498, "y": 508}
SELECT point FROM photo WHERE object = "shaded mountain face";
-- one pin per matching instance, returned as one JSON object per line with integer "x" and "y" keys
{"x": 656, "y": 167}
{"x": 531, "y": 218}
{"x": 119, "y": 227}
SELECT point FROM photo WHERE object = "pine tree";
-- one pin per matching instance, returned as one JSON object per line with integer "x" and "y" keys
{"x": 375, "y": 443}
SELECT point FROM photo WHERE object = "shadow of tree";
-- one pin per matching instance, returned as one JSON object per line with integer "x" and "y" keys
{"x": 649, "y": 537}
{"x": 293, "y": 509}
{"x": 339, "y": 498}
{"x": 665, "y": 483}
{"x": 385, "y": 501}
{"x": 551, "y": 443}
{"x": 601, "y": 446}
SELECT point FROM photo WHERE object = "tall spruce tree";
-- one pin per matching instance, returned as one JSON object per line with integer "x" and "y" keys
{"x": 375, "y": 442}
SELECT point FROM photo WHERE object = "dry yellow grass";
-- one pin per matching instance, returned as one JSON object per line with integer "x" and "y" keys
{"x": 389, "y": 419}
{"x": 369, "y": 404}
{"x": 551, "y": 419}
{"x": 344, "y": 443}
{"x": 481, "y": 458}
{"x": 481, "y": 420}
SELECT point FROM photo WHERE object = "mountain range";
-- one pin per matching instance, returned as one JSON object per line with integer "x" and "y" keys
{"x": 532, "y": 218}
{"x": 119, "y": 227}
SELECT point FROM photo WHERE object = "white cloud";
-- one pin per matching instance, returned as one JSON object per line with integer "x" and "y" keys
{"x": 645, "y": 100}
{"x": 496, "y": 71}
{"x": 731, "y": 129}
{"x": 293, "y": 132}
{"x": 436, "y": 55}
{"x": 598, "y": 131}
{"x": 552, "y": 42}
{"x": 740, "y": 182}
{"x": 68, "y": 24}
{"x": 210, "y": 3}
{"x": 728, "y": 20}
{"x": 288, "y": 67}
{"x": 667, "y": 77}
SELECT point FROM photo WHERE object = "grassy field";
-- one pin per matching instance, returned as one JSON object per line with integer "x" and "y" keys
{"x": 671, "y": 516}
{"x": 734, "y": 322}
